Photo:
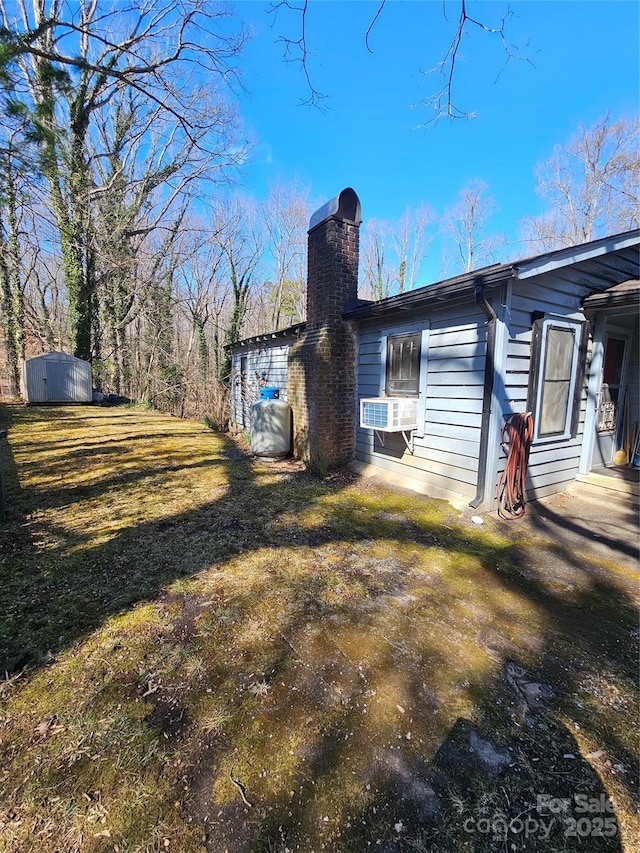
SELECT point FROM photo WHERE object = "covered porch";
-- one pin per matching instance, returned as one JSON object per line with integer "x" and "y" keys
{"x": 612, "y": 419}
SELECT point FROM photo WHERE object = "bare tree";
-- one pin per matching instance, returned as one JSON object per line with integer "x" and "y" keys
{"x": 143, "y": 177}
{"x": 11, "y": 285}
{"x": 237, "y": 229}
{"x": 203, "y": 291}
{"x": 393, "y": 251}
{"x": 376, "y": 267}
{"x": 411, "y": 238}
{"x": 154, "y": 332}
{"x": 286, "y": 216}
{"x": 591, "y": 186}
{"x": 68, "y": 61}
{"x": 464, "y": 224}
{"x": 16, "y": 259}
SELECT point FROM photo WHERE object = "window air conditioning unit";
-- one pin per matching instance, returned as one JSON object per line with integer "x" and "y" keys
{"x": 389, "y": 414}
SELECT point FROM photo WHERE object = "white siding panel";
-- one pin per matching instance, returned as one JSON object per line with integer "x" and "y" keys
{"x": 443, "y": 363}
{"x": 424, "y": 457}
{"x": 455, "y": 433}
{"x": 455, "y": 447}
{"x": 449, "y": 390}
{"x": 424, "y": 469}
{"x": 463, "y": 353}
{"x": 371, "y": 347}
{"x": 459, "y": 381}
{"x": 465, "y": 335}
{"x": 444, "y": 478}
{"x": 517, "y": 363}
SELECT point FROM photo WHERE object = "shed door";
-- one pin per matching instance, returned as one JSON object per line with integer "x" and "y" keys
{"x": 35, "y": 373}
{"x": 60, "y": 382}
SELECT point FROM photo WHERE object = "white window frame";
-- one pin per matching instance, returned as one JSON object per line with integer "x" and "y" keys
{"x": 576, "y": 327}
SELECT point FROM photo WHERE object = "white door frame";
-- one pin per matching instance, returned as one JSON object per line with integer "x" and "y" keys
{"x": 603, "y": 327}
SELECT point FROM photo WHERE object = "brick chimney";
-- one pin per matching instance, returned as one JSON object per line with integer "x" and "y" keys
{"x": 322, "y": 386}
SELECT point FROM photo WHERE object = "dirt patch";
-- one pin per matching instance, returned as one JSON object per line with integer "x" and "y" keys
{"x": 169, "y": 718}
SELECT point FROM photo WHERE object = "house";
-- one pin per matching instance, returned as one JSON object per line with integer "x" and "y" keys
{"x": 555, "y": 335}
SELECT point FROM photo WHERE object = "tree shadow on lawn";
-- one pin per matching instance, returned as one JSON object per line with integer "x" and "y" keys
{"x": 327, "y": 668}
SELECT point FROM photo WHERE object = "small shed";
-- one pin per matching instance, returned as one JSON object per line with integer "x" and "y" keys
{"x": 56, "y": 377}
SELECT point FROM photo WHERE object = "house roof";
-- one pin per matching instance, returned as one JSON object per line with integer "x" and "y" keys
{"x": 603, "y": 263}
{"x": 450, "y": 290}
{"x": 577, "y": 254}
{"x": 619, "y": 296}
{"x": 55, "y": 356}
{"x": 593, "y": 258}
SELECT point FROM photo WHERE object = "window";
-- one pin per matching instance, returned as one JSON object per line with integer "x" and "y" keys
{"x": 403, "y": 365}
{"x": 557, "y": 372}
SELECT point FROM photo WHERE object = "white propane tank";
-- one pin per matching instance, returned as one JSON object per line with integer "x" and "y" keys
{"x": 270, "y": 425}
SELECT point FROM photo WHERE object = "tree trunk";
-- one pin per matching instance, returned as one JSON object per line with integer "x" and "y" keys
{"x": 9, "y": 318}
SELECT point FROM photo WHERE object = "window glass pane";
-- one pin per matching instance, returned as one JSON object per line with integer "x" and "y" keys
{"x": 553, "y": 411}
{"x": 559, "y": 353}
{"x": 403, "y": 364}
{"x": 556, "y": 380}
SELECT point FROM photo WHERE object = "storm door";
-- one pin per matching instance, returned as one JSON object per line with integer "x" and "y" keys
{"x": 610, "y": 424}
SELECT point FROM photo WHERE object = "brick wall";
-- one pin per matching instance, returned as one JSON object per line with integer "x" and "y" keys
{"x": 322, "y": 364}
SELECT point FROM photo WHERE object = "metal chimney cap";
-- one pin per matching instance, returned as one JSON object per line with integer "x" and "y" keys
{"x": 346, "y": 205}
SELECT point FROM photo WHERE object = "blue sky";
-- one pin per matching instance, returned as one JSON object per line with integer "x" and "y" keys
{"x": 582, "y": 62}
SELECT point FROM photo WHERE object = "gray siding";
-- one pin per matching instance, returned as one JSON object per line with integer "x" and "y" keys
{"x": 446, "y": 445}
{"x": 552, "y": 465}
{"x": 266, "y": 366}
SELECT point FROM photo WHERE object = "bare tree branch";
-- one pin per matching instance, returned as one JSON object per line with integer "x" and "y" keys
{"x": 465, "y": 224}
{"x": 372, "y": 24}
{"x": 296, "y": 51}
{"x": 442, "y": 102}
{"x": 157, "y": 39}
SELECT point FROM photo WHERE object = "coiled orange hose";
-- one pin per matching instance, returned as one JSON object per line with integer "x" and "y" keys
{"x": 516, "y": 437}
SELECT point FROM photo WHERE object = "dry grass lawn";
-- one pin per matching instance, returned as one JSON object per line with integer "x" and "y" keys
{"x": 200, "y": 652}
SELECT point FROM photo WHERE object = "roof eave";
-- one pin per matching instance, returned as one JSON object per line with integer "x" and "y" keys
{"x": 450, "y": 291}
{"x": 290, "y": 331}
{"x": 575, "y": 254}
